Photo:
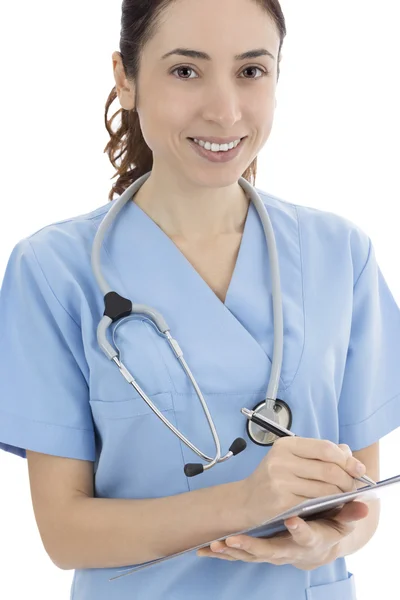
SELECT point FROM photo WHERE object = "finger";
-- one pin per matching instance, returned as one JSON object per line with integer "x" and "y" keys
{"x": 309, "y": 535}
{"x": 226, "y": 550}
{"x": 325, "y": 479}
{"x": 215, "y": 550}
{"x": 317, "y": 449}
{"x": 301, "y": 532}
{"x": 210, "y": 554}
{"x": 346, "y": 449}
{"x": 242, "y": 555}
{"x": 262, "y": 549}
{"x": 351, "y": 462}
{"x": 321, "y": 478}
{"x": 352, "y": 511}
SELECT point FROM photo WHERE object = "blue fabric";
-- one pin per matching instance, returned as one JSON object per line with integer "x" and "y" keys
{"x": 60, "y": 395}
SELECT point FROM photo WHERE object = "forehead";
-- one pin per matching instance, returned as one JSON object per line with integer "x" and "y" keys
{"x": 203, "y": 24}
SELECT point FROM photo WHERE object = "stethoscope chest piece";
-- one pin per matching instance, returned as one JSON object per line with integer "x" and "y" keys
{"x": 277, "y": 411}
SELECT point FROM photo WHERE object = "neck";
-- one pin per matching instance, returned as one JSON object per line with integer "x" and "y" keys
{"x": 203, "y": 214}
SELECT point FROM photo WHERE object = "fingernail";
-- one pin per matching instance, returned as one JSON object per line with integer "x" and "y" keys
{"x": 235, "y": 545}
{"x": 216, "y": 548}
{"x": 360, "y": 468}
{"x": 294, "y": 526}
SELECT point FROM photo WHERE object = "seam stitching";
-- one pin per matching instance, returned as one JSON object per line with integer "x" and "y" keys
{"x": 43, "y": 422}
{"x": 48, "y": 283}
{"x": 372, "y": 414}
{"x": 366, "y": 262}
{"x": 304, "y": 309}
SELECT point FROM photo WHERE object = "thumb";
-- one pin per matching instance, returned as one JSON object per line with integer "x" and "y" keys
{"x": 352, "y": 511}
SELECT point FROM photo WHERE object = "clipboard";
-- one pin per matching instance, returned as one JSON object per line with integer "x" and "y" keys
{"x": 315, "y": 508}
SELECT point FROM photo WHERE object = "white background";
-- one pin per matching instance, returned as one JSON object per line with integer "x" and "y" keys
{"x": 334, "y": 146}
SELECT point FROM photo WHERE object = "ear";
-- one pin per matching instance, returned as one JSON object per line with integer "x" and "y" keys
{"x": 125, "y": 88}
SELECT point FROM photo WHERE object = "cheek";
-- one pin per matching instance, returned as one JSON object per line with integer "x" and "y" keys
{"x": 162, "y": 122}
{"x": 264, "y": 131}
{"x": 266, "y": 116}
{"x": 259, "y": 116}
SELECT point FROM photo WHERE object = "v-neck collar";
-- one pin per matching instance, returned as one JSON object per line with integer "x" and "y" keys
{"x": 148, "y": 268}
{"x": 152, "y": 225}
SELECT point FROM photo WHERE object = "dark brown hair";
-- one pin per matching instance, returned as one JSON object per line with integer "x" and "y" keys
{"x": 139, "y": 22}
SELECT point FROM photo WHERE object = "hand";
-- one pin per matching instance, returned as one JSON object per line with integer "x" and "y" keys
{"x": 311, "y": 545}
{"x": 296, "y": 469}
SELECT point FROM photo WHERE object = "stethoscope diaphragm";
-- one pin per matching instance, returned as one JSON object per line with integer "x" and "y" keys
{"x": 277, "y": 411}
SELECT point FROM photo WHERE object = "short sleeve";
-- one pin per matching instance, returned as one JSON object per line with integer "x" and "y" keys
{"x": 44, "y": 395}
{"x": 369, "y": 403}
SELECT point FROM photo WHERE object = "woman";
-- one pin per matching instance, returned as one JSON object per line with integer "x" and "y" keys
{"x": 107, "y": 477}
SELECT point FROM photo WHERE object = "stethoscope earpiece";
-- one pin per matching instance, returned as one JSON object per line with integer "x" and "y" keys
{"x": 192, "y": 469}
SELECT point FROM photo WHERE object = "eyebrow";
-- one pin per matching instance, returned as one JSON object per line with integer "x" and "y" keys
{"x": 202, "y": 55}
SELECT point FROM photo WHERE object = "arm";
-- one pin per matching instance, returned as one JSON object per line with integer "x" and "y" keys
{"x": 102, "y": 532}
{"x": 365, "y": 528}
{"x": 79, "y": 531}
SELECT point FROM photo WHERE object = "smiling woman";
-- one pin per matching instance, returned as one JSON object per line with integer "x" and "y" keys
{"x": 192, "y": 241}
{"x": 225, "y": 93}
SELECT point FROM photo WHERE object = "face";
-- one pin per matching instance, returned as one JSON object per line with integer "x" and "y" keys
{"x": 181, "y": 97}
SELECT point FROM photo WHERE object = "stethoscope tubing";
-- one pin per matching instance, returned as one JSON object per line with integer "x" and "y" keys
{"x": 159, "y": 322}
{"x": 142, "y": 393}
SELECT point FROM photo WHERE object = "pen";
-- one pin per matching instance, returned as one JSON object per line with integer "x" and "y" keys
{"x": 280, "y": 431}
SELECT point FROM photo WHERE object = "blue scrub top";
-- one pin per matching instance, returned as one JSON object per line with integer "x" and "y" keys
{"x": 60, "y": 395}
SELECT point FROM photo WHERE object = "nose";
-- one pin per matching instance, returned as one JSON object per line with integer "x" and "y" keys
{"x": 222, "y": 105}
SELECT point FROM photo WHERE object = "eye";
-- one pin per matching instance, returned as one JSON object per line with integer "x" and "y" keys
{"x": 187, "y": 68}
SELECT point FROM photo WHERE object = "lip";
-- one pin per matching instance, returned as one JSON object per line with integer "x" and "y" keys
{"x": 217, "y": 157}
{"x": 217, "y": 140}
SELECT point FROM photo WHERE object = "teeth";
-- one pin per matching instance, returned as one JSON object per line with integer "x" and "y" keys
{"x": 217, "y": 147}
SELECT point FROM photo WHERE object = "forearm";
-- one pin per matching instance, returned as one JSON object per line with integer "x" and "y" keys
{"x": 108, "y": 532}
{"x": 363, "y": 532}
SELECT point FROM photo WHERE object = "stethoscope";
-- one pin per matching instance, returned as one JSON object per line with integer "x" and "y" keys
{"x": 117, "y": 306}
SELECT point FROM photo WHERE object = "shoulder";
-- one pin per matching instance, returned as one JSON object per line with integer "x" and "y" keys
{"x": 59, "y": 256}
{"x": 73, "y": 230}
{"x": 320, "y": 231}
{"x": 65, "y": 241}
